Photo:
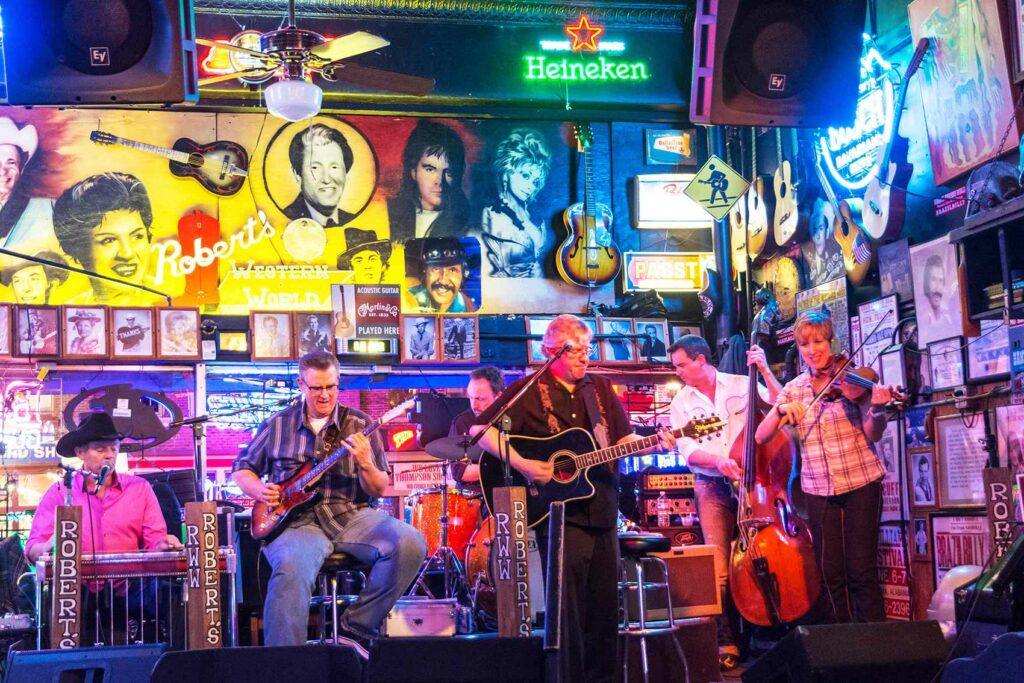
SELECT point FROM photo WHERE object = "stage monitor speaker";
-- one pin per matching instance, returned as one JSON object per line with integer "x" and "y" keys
{"x": 476, "y": 659}
{"x": 68, "y": 52}
{"x": 250, "y": 664}
{"x": 114, "y": 664}
{"x": 793, "y": 63}
{"x": 904, "y": 651}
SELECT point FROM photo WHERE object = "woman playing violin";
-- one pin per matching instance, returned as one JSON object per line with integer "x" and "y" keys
{"x": 840, "y": 471}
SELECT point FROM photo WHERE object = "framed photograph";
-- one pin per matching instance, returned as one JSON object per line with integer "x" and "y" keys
{"x": 6, "y": 348}
{"x": 683, "y": 330}
{"x": 888, "y": 449}
{"x": 1010, "y": 436}
{"x": 178, "y": 333}
{"x": 921, "y": 479}
{"x": 37, "y": 330}
{"x": 132, "y": 333}
{"x": 936, "y": 290}
{"x": 419, "y": 339}
{"x": 958, "y": 539}
{"x": 946, "y": 359}
{"x": 619, "y": 346}
{"x": 833, "y": 296}
{"x": 595, "y": 353}
{"x": 893, "y": 368}
{"x": 312, "y": 331}
{"x": 988, "y": 356}
{"x": 894, "y": 270}
{"x": 271, "y": 335}
{"x": 652, "y": 345}
{"x": 963, "y": 457}
{"x": 536, "y": 326}
{"x": 919, "y": 433}
{"x": 1016, "y": 16}
{"x": 460, "y": 339}
{"x": 85, "y": 332}
{"x": 920, "y": 538}
{"x": 878, "y": 319}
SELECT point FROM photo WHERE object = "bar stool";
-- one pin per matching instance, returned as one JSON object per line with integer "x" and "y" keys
{"x": 337, "y": 568}
{"x": 635, "y": 550}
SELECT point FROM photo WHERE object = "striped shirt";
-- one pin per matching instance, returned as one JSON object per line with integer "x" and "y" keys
{"x": 286, "y": 440}
{"x": 836, "y": 455}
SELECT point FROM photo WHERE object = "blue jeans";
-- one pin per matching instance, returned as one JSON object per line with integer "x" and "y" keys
{"x": 716, "y": 507}
{"x": 393, "y": 550}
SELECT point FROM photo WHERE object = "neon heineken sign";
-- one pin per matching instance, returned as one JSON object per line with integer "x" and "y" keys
{"x": 552, "y": 66}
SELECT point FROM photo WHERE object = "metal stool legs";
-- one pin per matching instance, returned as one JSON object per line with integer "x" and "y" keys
{"x": 639, "y": 627}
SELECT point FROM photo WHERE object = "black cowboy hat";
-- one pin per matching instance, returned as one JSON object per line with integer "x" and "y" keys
{"x": 92, "y": 427}
{"x": 358, "y": 240}
{"x": 442, "y": 251}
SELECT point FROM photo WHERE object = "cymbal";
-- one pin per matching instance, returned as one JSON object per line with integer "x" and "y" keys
{"x": 452, "y": 448}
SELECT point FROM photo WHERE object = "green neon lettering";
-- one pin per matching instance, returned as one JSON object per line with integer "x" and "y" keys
{"x": 540, "y": 68}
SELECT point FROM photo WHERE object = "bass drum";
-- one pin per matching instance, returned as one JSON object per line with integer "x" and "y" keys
{"x": 463, "y": 516}
{"x": 478, "y": 569}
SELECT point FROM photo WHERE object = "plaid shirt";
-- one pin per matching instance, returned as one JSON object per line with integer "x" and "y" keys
{"x": 285, "y": 441}
{"x": 836, "y": 455}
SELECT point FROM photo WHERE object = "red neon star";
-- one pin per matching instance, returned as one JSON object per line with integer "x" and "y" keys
{"x": 584, "y": 36}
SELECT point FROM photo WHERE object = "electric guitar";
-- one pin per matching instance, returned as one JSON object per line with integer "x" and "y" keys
{"x": 299, "y": 490}
{"x": 885, "y": 197}
{"x": 221, "y": 167}
{"x": 572, "y": 453}
{"x": 588, "y": 257}
{"x": 859, "y": 252}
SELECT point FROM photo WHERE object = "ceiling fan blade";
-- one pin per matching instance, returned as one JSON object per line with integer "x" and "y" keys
{"x": 378, "y": 79}
{"x": 348, "y": 46}
{"x": 251, "y": 73}
{"x": 235, "y": 48}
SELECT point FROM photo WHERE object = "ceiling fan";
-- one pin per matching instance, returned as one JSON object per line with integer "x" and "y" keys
{"x": 292, "y": 53}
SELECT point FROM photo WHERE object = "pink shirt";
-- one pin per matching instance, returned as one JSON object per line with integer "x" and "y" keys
{"x": 126, "y": 519}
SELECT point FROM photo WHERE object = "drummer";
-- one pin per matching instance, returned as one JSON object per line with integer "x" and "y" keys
{"x": 485, "y": 385}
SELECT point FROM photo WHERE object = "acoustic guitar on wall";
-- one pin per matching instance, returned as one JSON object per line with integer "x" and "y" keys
{"x": 221, "y": 167}
{"x": 859, "y": 253}
{"x": 588, "y": 257}
{"x": 760, "y": 209}
{"x": 791, "y": 218}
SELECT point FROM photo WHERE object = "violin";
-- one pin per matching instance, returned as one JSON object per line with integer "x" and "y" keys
{"x": 854, "y": 382}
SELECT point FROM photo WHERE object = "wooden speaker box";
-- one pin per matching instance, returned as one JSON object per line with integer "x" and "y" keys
{"x": 692, "y": 584}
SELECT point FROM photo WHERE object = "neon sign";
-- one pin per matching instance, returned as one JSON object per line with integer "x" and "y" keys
{"x": 850, "y": 153}
{"x": 582, "y": 38}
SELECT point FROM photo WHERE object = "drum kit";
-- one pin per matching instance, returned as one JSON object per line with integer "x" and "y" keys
{"x": 458, "y": 545}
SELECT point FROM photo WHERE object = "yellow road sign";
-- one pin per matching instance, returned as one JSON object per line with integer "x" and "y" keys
{"x": 716, "y": 187}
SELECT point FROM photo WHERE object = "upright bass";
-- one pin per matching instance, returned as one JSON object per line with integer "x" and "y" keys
{"x": 772, "y": 572}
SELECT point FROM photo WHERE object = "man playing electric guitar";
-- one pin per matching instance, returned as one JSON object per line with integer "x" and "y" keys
{"x": 566, "y": 396}
{"x": 339, "y": 519}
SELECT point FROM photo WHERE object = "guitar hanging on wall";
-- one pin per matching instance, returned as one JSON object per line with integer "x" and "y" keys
{"x": 221, "y": 167}
{"x": 885, "y": 197}
{"x": 760, "y": 208}
{"x": 588, "y": 257}
{"x": 858, "y": 251}
{"x": 792, "y": 217}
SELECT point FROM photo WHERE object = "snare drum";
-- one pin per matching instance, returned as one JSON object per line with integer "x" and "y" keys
{"x": 463, "y": 517}
{"x": 478, "y": 568}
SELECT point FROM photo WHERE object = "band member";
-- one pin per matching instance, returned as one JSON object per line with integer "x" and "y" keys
{"x": 566, "y": 396}
{"x": 341, "y": 519}
{"x": 485, "y": 384}
{"x": 709, "y": 392}
{"x": 122, "y": 508}
{"x": 840, "y": 474}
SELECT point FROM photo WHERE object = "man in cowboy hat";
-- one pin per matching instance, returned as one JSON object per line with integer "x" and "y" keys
{"x": 33, "y": 283}
{"x": 88, "y": 332}
{"x": 421, "y": 342}
{"x": 442, "y": 270}
{"x": 26, "y": 224}
{"x": 122, "y": 508}
{"x": 366, "y": 256}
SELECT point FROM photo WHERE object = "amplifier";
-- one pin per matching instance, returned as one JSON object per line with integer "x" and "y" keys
{"x": 692, "y": 581}
{"x": 680, "y": 535}
{"x": 674, "y": 481}
{"x": 677, "y": 506}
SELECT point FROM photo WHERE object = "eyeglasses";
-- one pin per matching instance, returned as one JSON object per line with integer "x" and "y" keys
{"x": 580, "y": 351}
{"x": 330, "y": 388}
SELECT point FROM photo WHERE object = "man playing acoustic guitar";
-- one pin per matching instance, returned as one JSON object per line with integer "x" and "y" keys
{"x": 340, "y": 519}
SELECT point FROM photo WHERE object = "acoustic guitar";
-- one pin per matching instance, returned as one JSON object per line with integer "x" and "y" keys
{"x": 859, "y": 253}
{"x": 572, "y": 453}
{"x": 790, "y": 221}
{"x": 300, "y": 490}
{"x": 760, "y": 209}
{"x": 738, "y": 234}
{"x": 221, "y": 167}
{"x": 885, "y": 197}
{"x": 588, "y": 257}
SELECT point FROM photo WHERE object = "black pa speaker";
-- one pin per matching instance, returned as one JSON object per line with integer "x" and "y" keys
{"x": 118, "y": 664}
{"x": 327, "y": 663}
{"x": 793, "y": 63}
{"x": 476, "y": 659}
{"x": 71, "y": 52}
{"x": 905, "y": 651}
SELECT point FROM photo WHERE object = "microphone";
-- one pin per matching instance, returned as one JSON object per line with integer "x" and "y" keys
{"x": 102, "y": 479}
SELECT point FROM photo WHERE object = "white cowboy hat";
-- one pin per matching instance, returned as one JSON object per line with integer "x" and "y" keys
{"x": 26, "y": 139}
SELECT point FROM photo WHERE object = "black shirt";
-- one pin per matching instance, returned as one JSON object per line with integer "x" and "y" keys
{"x": 530, "y": 418}
{"x": 460, "y": 427}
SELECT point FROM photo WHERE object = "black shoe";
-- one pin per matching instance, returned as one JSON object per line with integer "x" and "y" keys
{"x": 359, "y": 643}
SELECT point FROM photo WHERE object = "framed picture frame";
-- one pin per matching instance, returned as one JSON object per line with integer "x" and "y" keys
{"x": 988, "y": 356}
{"x": 536, "y": 325}
{"x": 1016, "y": 17}
{"x": 946, "y": 359}
{"x": 419, "y": 339}
{"x": 178, "y": 330}
{"x": 958, "y": 538}
{"x": 619, "y": 348}
{"x": 921, "y": 481}
{"x": 893, "y": 367}
{"x": 1010, "y": 436}
{"x": 920, "y": 538}
{"x": 878, "y": 319}
{"x": 894, "y": 270}
{"x": 312, "y": 331}
{"x": 6, "y": 331}
{"x": 86, "y": 332}
{"x": 271, "y": 335}
{"x": 595, "y": 353}
{"x": 681, "y": 330}
{"x": 834, "y": 296}
{"x": 963, "y": 458}
{"x": 936, "y": 290}
{"x": 132, "y": 333}
{"x": 37, "y": 331}
{"x": 652, "y": 345}
{"x": 460, "y": 339}
{"x": 889, "y": 447}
